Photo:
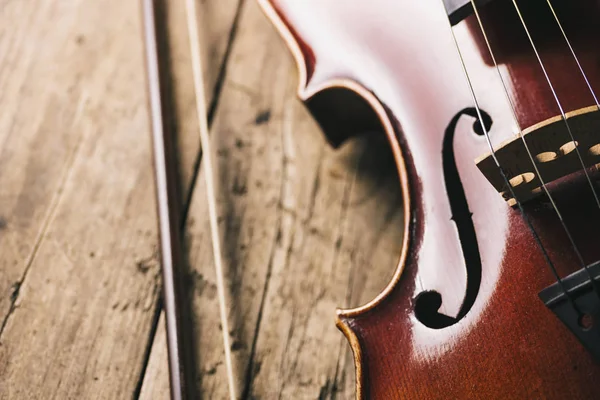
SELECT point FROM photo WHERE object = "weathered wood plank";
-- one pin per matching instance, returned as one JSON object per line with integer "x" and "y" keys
{"x": 79, "y": 279}
{"x": 40, "y": 102}
{"x": 156, "y": 378}
{"x": 305, "y": 228}
{"x": 88, "y": 298}
{"x": 340, "y": 250}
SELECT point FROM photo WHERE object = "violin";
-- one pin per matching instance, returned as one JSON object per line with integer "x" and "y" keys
{"x": 491, "y": 111}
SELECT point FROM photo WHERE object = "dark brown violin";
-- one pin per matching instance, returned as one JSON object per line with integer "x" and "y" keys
{"x": 490, "y": 108}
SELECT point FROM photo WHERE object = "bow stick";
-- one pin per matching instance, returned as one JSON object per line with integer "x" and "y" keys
{"x": 181, "y": 362}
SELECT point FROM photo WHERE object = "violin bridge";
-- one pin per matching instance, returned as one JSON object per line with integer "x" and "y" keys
{"x": 553, "y": 150}
{"x": 584, "y": 320}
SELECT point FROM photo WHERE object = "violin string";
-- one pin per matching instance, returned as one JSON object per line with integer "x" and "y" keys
{"x": 207, "y": 165}
{"x": 503, "y": 173}
{"x": 522, "y": 136}
{"x": 558, "y": 103}
{"x": 587, "y": 81}
{"x": 564, "y": 117}
{"x": 589, "y": 85}
{"x": 514, "y": 112}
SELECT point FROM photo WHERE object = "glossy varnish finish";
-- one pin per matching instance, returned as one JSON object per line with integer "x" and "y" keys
{"x": 400, "y": 58}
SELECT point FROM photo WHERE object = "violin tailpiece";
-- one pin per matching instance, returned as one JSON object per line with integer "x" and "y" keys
{"x": 581, "y": 320}
{"x": 552, "y": 148}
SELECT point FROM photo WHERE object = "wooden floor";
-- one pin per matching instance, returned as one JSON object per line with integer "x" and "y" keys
{"x": 306, "y": 228}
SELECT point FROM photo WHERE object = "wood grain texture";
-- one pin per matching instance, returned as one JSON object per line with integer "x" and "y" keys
{"x": 155, "y": 384}
{"x": 36, "y": 151}
{"x": 90, "y": 286}
{"x": 79, "y": 278}
{"x": 305, "y": 229}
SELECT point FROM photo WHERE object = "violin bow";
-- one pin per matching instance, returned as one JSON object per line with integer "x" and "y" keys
{"x": 207, "y": 164}
{"x": 180, "y": 349}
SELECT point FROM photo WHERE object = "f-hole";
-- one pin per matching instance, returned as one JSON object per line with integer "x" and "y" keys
{"x": 428, "y": 303}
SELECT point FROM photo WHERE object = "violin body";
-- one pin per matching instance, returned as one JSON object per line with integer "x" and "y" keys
{"x": 461, "y": 317}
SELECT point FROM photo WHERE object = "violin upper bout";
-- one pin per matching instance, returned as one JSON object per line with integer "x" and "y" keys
{"x": 338, "y": 105}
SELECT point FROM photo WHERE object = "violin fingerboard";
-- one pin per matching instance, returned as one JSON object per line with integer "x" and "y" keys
{"x": 460, "y": 9}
